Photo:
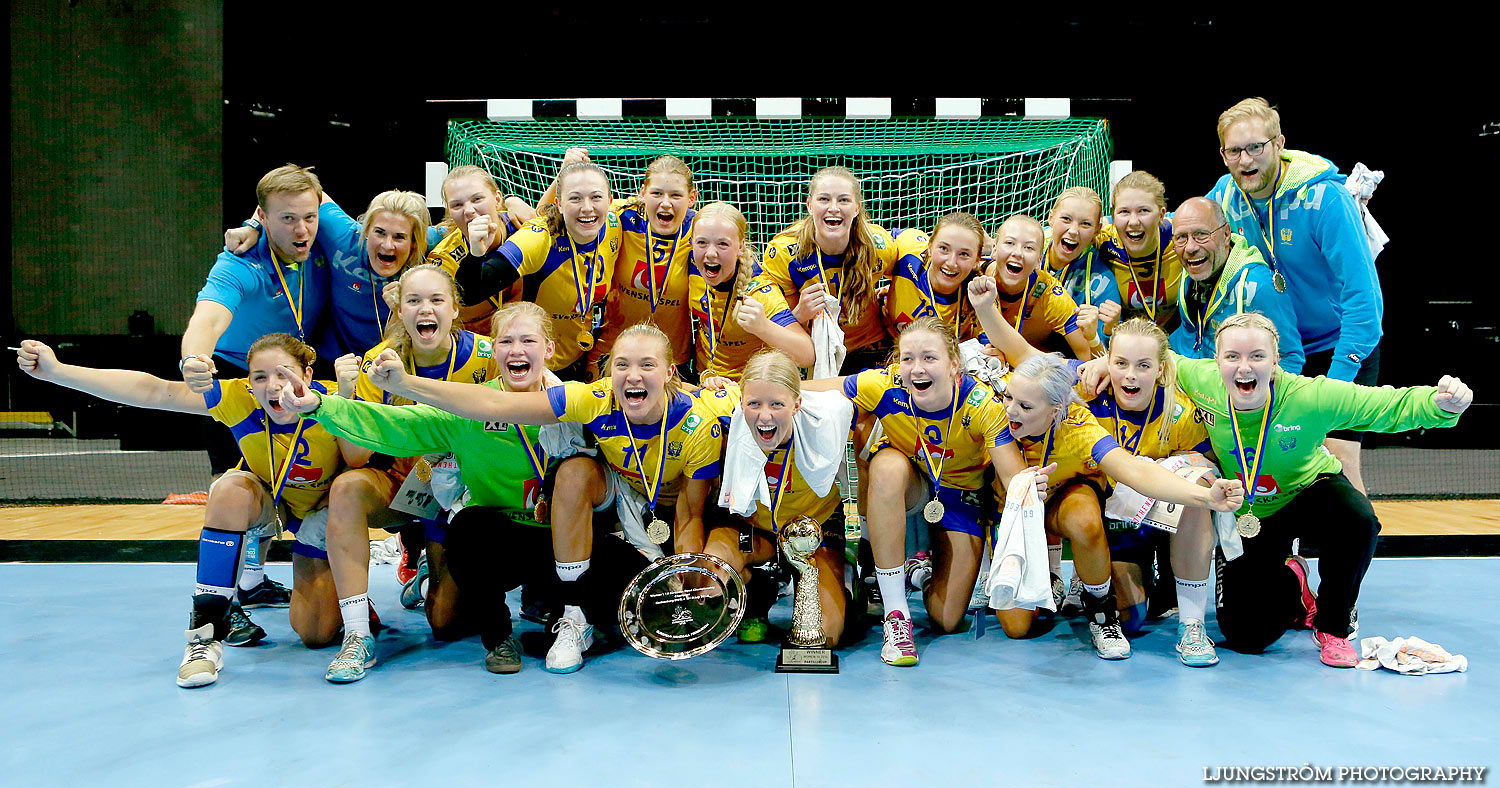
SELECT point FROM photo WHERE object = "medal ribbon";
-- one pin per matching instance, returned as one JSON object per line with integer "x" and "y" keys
{"x": 287, "y": 291}
{"x": 1119, "y": 423}
{"x": 716, "y": 330}
{"x": 452, "y": 358}
{"x": 1251, "y": 473}
{"x": 1025, "y": 297}
{"x": 661, "y": 457}
{"x": 651, "y": 264}
{"x": 1150, "y": 305}
{"x": 278, "y": 481}
{"x": 591, "y": 271}
{"x": 1270, "y": 216}
{"x": 932, "y": 299}
{"x": 535, "y": 454}
{"x": 823, "y": 277}
{"x": 781, "y": 485}
{"x": 922, "y": 437}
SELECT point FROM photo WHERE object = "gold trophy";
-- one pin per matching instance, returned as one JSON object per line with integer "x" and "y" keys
{"x": 806, "y": 650}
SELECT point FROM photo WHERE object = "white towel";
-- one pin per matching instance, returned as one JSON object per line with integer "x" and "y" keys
{"x": 820, "y": 432}
{"x": 982, "y": 365}
{"x": 1229, "y": 535}
{"x": 1361, "y": 185}
{"x": 563, "y": 439}
{"x": 1018, "y": 571}
{"x": 828, "y": 343}
{"x": 1410, "y": 656}
{"x": 630, "y": 507}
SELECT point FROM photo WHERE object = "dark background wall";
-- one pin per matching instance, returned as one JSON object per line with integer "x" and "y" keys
{"x": 116, "y": 150}
{"x": 139, "y": 130}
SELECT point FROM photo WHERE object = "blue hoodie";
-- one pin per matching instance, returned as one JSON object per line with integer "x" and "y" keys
{"x": 1244, "y": 285}
{"x": 1322, "y": 252}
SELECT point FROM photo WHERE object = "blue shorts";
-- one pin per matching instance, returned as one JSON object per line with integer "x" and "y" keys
{"x": 1125, "y": 536}
{"x": 962, "y": 509}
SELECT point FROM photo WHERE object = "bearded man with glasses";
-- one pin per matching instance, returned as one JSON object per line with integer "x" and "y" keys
{"x": 1293, "y": 207}
{"x": 1226, "y": 275}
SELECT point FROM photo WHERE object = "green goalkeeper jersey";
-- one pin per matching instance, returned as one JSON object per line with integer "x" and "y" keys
{"x": 492, "y": 459}
{"x": 1304, "y": 411}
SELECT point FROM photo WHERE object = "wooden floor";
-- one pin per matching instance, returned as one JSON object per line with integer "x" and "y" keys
{"x": 124, "y": 522}
{"x": 159, "y": 522}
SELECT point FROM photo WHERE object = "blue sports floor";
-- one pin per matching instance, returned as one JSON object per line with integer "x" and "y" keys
{"x": 88, "y": 654}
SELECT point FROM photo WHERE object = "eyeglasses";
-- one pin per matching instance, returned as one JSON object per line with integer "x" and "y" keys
{"x": 1254, "y": 149}
{"x": 1201, "y": 236}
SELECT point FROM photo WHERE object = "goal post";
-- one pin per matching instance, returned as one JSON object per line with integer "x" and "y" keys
{"x": 913, "y": 170}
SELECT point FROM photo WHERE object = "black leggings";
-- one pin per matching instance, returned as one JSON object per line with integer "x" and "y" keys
{"x": 489, "y": 554}
{"x": 1258, "y": 595}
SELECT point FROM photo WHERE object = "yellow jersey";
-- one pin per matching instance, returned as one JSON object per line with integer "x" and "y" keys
{"x": 636, "y": 280}
{"x": 471, "y": 359}
{"x": 450, "y": 253}
{"x": 723, "y": 347}
{"x": 566, "y": 279}
{"x": 693, "y": 438}
{"x": 911, "y": 296}
{"x": 1077, "y": 446}
{"x": 1141, "y": 437}
{"x": 315, "y": 459}
{"x": 1148, "y": 285}
{"x": 957, "y": 441}
{"x": 1044, "y": 308}
{"x": 791, "y": 494}
{"x": 791, "y": 269}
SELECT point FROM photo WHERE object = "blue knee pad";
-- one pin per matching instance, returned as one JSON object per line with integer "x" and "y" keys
{"x": 219, "y": 555}
{"x": 1137, "y": 618}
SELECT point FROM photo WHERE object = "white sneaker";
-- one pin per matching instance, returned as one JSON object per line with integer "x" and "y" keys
{"x": 1109, "y": 641}
{"x": 899, "y": 647}
{"x": 574, "y": 636}
{"x": 202, "y": 658}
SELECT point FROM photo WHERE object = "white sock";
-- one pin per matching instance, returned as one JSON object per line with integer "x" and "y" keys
{"x": 571, "y": 571}
{"x": 1192, "y": 599}
{"x": 1054, "y": 559}
{"x": 893, "y": 589}
{"x": 254, "y": 571}
{"x": 920, "y": 577}
{"x": 1099, "y": 591}
{"x": 574, "y": 612}
{"x": 356, "y": 613}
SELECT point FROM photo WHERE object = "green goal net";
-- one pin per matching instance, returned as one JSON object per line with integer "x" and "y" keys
{"x": 913, "y": 170}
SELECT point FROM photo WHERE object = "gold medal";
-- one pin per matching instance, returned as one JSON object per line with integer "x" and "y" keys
{"x": 1248, "y": 525}
{"x": 422, "y": 470}
{"x": 658, "y": 531}
{"x": 1279, "y": 281}
{"x": 541, "y": 511}
{"x": 933, "y": 511}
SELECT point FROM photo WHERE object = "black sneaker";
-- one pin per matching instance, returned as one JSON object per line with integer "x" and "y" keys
{"x": 242, "y": 631}
{"x": 268, "y": 594}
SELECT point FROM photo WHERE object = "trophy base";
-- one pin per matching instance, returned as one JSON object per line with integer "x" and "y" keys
{"x": 807, "y": 660}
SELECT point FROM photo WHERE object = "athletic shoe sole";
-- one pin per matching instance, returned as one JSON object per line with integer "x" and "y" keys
{"x": 197, "y": 680}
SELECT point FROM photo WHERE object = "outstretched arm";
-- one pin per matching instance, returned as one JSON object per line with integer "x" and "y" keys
{"x": 480, "y": 403}
{"x": 1226, "y": 495}
{"x": 125, "y": 386}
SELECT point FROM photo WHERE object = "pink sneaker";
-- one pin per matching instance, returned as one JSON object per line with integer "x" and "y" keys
{"x": 899, "y": 647}
{"x": 1337, "y": 652}
{"x": 1298, "y": 565}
